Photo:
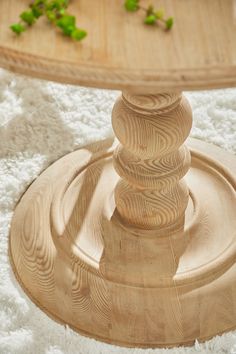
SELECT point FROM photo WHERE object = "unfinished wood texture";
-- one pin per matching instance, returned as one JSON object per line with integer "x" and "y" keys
{"x": 120, "y": 52}
{"x": 120, "y": 284}
{"x": 152, "y": 159}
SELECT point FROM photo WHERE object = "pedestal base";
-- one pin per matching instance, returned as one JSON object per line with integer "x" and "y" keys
{"x": 84, "y": 267}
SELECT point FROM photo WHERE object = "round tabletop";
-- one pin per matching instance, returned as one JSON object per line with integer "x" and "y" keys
{"x": 121, "y": 52}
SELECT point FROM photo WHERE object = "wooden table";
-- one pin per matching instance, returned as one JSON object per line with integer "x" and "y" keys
{"x": 138, "y": 249}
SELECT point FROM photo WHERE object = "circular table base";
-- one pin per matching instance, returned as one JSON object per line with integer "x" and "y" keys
{"x": 84, "y": 267}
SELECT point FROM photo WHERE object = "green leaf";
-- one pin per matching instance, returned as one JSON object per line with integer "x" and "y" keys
{"x": 17, "y": 28}
{"x": 37, "y": 12}
{"x": 62, "y": 11}
{"x": 131, "y": 5}
{"x": 150, "y": 20}
{"x": 169, "y": 23}
{"x": 67, "y": 23}
{"x": 51, "y": 15}
{"x": 57, "y": 4}
{"x": 78, "y": 34}
{"x": 28, "y": 17}
{"x": 66, "y": 20}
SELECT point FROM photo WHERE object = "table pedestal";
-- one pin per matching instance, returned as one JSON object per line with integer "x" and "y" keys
{"x": 142, "y": 254}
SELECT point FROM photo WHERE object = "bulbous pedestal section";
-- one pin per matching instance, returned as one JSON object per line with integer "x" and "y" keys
{"x": 151, "y": 160}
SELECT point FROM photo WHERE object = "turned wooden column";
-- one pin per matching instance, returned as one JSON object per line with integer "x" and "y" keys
{"x": 141, "y": 271}
{"x": 151, "y": 158}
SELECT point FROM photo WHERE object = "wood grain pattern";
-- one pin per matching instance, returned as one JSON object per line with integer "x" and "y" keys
{"x": 146, "y": 260}
{"x": 121, "y": 284}
{"x": 152, "y": 160}
{"x": 121, "y": 53}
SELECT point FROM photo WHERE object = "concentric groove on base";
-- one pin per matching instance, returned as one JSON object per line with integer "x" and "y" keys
{"x": 110, "y": 304}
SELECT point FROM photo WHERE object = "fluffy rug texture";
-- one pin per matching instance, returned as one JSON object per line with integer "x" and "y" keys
{"x": 39, "y": 122}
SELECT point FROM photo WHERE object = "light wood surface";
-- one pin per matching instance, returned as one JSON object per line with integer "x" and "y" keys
{"x": 147, "y": 259}
{"x": 118, "y": 275}
{"x": 120, "y": 52}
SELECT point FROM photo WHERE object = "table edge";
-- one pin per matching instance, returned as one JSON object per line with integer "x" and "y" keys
{"x": 115, "y": 78}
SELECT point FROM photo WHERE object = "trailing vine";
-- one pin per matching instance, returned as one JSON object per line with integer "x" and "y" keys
{"x": 56, "y": 12}
{"x": 152, "y": 16}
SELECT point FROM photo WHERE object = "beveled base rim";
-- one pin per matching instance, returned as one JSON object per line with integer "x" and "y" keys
{"x": 227, "y": 161}
{"x": 57, "y": 319}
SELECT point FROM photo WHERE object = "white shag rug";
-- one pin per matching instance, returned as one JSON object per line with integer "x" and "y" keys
{"x": 39, "y": 122}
